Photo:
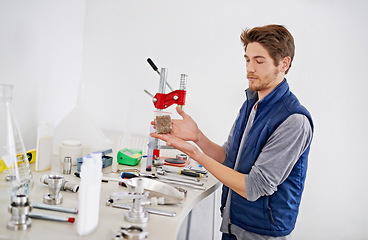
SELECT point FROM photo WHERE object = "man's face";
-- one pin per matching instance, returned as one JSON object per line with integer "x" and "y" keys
{"x": 262, "y": 73}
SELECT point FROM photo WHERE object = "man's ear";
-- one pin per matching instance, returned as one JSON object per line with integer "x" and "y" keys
{"x": 285, "y": 64}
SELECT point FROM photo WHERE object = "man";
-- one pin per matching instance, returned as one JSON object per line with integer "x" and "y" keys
{"x": 263, "y": 164}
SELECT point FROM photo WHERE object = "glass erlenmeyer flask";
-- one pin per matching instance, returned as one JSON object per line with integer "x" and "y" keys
{"x": 14, "y": 165}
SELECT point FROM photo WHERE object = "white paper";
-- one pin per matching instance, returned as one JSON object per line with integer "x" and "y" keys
{"x": 8, "y": 160}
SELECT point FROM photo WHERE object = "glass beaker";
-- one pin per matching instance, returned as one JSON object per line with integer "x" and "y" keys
{"x": 14, "y": 165}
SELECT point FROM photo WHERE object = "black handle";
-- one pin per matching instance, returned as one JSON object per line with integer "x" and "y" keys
{"x": 190, "y": 173}
{"x": 152, "y": 64}
{"x": 128, "y": 175}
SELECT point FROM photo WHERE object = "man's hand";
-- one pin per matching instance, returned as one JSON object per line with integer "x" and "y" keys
{"x": 181, "y": 145}
{"x": 186, "y": 128}
{"x": 228, "y": 176}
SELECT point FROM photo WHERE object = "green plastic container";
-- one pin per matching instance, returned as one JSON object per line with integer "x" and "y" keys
{"x": 129, "y": 157}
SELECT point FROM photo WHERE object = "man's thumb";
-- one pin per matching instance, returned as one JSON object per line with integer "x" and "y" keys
{"x": 181, "y": 112}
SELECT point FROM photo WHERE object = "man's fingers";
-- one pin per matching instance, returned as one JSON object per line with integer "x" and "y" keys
{"x": 181, "y": 112}
{"x": 163, "y": 137}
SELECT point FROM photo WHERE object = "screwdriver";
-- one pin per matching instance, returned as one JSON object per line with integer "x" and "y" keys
{"x": 128, "y": 175}
{"x": 182, "y": 172}
{"x": 190, "y": 173}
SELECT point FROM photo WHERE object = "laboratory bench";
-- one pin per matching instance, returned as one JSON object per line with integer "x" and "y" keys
{"x": 110, "y": 219}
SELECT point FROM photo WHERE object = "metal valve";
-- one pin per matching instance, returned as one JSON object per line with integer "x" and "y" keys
{"x": 54, "y": 197}
{"x": 65, "y": 186}
{"x": 19, "y": 209}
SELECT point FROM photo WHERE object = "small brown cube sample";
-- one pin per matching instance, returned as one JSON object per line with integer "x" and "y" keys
{"x": 163, "y": 124}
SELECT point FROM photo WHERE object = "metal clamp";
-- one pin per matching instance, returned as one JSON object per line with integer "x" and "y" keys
{"x": 19, "y": 208}
{"x": 132, "y": 233}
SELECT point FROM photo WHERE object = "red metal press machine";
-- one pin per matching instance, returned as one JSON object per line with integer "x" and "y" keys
{"x": 164, "y": 100}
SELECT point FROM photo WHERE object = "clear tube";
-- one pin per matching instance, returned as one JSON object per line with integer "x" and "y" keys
{"x": 150, "y": 150}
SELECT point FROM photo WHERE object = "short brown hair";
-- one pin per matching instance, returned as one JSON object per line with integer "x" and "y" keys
{"x": 275, "y": 38}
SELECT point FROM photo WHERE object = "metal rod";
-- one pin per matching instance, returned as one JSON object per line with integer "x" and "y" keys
{"x": 161, "y": 89}
{"x": 182, "y": 180}
{"x": 54, "y": 208}
{"x": 163, "y": 80}
{"x": 183, "y": 184}
{"x": 169, "y": 86}
{"x": 150, "y": 94}
{"x": 149, "y": 210}
{"x": 51, "y": 217}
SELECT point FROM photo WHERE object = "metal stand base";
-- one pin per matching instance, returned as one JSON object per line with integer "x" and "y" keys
{"x": 19, "y": 209}
{"x": 54, "y": 201}
{"x": 19, "y": 226}
{"x": 131, "y": 233}
{"x": 136, "y": 217}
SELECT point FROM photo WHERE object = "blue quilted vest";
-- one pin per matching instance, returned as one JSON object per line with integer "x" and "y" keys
{"x": 273, "y": 215}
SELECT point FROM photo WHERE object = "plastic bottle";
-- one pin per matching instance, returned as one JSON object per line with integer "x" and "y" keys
{"x": 14, "y": 165}
{"x": 45, "y": 141}
{"x": 89, "y": 194}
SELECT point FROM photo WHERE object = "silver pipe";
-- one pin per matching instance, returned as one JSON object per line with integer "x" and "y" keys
{"x": 50, "y": 217}
{"x": 182, "y": 180}
{"x": 54, "y": 208}
{"x": 163, "y": 80}
{"x": 183, "y": 184}
{"x": 149, "y": 210}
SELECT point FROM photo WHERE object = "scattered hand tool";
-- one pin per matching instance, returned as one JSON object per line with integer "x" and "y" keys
{"x": 183, "y": 172}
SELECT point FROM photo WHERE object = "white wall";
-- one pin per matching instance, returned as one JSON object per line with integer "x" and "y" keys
{"x": 41, "y": 53}
{"x": 41, "y": 46}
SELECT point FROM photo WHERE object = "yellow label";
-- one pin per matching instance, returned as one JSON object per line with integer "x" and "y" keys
{"x": 136, "y": 155}
{"x": 31, "y": 155}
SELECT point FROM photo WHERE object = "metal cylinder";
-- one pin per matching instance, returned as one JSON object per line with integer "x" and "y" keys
{"x": 163, "y": 79}
{"x": 19, "y": 208}
{"x": 68, "y": 186}
{"x": 182, "y": 156}
{"x": 67, "y": 165}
